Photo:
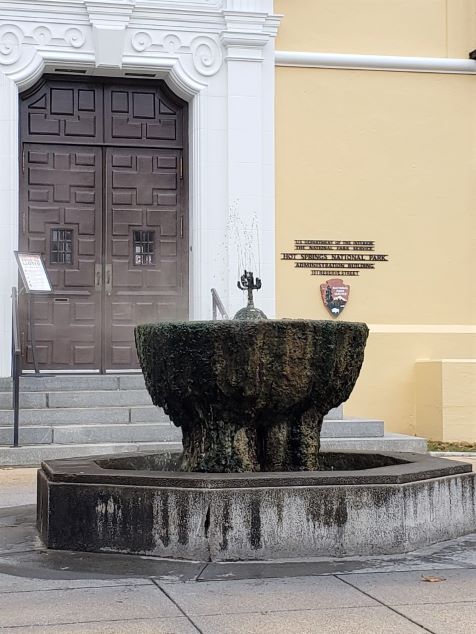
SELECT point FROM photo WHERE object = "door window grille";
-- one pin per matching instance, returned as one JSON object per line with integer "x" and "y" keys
{"x": 143, "y": 244}
{"x": 61, "y": 248}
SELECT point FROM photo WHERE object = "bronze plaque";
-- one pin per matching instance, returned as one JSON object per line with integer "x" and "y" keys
{"x": 335, "y": 295}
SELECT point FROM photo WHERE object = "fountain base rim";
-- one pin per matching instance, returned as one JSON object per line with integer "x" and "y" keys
{"x": 406, "y": 467}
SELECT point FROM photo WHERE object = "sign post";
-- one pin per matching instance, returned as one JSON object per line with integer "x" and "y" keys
{"x": 36, "y": 282}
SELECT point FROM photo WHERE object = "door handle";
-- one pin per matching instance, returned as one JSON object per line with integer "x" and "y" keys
{"x": 98, "y": 277}
{"x": 108, "y": 279}
{"x": 23, "y": 345}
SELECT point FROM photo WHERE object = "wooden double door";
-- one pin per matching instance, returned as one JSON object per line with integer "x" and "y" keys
{"x": 103, "y": 199}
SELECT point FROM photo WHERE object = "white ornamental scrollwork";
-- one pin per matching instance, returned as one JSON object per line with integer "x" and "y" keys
{"x": 42, "y": 35}
{"x": 141, "y": 41}
{"x": 11, "y": 38}
{"x": 171, "y": 43}
{"x": 74, "y": 37}
{"x": 206, "y": 54}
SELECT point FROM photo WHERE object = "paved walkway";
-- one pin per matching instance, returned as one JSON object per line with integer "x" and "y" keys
{"x": 432, "y": 590}
{"x": 17, "y": 486}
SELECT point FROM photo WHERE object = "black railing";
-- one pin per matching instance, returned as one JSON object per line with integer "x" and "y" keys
{"x": 16, "y": 365}
{"x": 217, "y": 306}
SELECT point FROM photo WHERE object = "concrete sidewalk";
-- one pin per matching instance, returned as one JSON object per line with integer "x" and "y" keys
{"x": 432, "y": 590}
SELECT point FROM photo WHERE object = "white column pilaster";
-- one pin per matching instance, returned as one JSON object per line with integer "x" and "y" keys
{"x": 250, "y": 156}
{"x": 9, "y": 153}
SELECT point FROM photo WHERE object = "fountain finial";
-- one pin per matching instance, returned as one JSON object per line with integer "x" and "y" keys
{"x": 248, "y": 283}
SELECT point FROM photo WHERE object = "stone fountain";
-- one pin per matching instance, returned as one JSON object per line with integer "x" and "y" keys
{"x": 250, "y": 397}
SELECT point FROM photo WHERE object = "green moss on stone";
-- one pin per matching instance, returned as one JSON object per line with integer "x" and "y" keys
{"x": 250, "y": 395}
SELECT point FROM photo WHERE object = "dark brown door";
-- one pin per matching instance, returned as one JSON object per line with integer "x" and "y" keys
{"x": 103, "y": 199}
{"x": 145, "y": 270}
{"x": 62, "y": 219}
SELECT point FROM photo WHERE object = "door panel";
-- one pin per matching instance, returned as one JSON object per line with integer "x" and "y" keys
{"x": 62, "y": 219}
{"x": 144, "y": 113}
{"x": 144, "y": 247}
{"x": 116, "y": 251}
{"x": 63, "y": 112}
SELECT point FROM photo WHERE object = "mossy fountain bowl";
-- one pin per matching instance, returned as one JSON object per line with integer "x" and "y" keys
{"x": 250, "y": 395}
{"x": 250, "y": 483}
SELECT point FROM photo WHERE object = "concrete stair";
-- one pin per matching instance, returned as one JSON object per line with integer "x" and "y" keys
{"x": 73, "y": 409}
{"x": 76, "y": 415}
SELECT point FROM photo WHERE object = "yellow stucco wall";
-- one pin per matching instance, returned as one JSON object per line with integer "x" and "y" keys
{"x": 388, "y": 157}
{"x": 428, "y": 28}
{"x": 451, "y": 416}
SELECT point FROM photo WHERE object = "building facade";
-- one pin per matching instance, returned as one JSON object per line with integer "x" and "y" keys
{"x": 152, "y": 149}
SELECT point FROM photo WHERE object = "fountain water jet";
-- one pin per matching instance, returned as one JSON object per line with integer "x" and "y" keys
{"x": 248, "y": 283}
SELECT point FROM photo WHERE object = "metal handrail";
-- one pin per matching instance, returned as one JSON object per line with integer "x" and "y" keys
{"x": 218, "y": 304}
{"x": 16, "y": 365}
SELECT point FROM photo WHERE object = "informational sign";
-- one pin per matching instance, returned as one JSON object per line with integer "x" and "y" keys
{"x": 335, "y": 295}
{"x": 340, "y": 258}
{"x": 33, "y": 272}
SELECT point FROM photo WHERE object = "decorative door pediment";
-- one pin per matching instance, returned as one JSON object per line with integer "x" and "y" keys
{"x": 190, "y": 36}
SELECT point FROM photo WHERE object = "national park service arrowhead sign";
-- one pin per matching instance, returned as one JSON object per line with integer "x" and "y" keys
{"x": 335, "y": 295}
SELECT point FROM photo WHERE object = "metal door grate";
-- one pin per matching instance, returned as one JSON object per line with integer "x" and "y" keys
{"x": 61, "y": 251}
{"x": 143, "y": 245}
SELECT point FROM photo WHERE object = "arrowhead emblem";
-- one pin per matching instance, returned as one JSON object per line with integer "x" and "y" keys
{"x": 335, "y": 295}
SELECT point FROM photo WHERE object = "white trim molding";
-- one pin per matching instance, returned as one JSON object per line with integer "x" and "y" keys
{"x": 344, "y": 61}
{"x": 218, "y": 55}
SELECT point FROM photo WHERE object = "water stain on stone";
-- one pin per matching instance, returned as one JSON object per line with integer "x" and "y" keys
{"x": 182, "y": 517}
{"x": 225, "y": 525}
{"x": 279, "y": 505}
{"x": 206, "y": 525}
{"x": 325, "y": 511}
{"x": 255, "y": 523}
{"x": 165, "y": 519}
{"x": 340, "y": 513}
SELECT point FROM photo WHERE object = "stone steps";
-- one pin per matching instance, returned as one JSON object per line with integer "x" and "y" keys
{"x": 162, "y": 431}
{"x": 33, "y": 455}
{"x": 75, "y": 382}
{"x": 103, "y": 398}
{"x": 388, "y": 442}
{"x": 352, "y": 428}
{"x": 85, "y": 434}
{"x": 69, "y": 415}
{"x": 84, "y": 410}
{"x": 85, "y": 415}
{"x": 67, "y": 399}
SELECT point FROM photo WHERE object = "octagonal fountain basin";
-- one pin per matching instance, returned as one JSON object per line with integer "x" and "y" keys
{"x": 356, "y": 504}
